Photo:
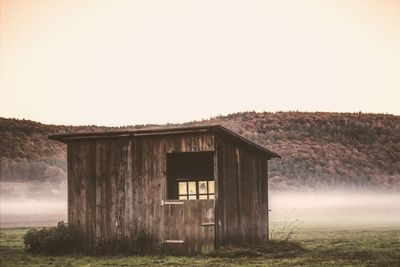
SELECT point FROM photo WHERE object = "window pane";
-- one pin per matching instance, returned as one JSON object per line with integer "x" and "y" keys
{"x": 192, "y": 197}
{"x": 182, "y": 188}
{"x": 203, "y": 187}
{"x": 210, "y": 196}
{"x": 211, "y": 187}
{"x": 192, "y": 187}
{"x": 183, "y": 197}
{"x": 202, "y": 196}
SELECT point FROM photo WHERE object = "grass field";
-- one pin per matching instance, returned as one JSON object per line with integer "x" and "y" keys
{"x": 333, "y": 246}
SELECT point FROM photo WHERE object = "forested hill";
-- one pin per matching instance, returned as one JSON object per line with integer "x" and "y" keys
{"x": 318, "y": 149}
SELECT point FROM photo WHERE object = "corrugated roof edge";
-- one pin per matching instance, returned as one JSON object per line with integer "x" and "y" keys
{"x": 157, "y": 131}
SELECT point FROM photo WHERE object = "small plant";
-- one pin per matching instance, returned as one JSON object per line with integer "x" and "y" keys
{"x": 287, "y": 231}
{"x": 57, "y": 240}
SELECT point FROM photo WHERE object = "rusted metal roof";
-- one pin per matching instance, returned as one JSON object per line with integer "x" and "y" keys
{"x": 162, "y": 131}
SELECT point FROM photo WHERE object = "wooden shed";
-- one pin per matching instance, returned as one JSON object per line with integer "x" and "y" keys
{"x": 193, "y": 189}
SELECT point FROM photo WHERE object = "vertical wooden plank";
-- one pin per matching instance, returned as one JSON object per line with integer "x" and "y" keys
{"x": 207, "y": 236}
{"x": 91, "y": 193}
{"x": 136, "y": 183}
{"x": 81, "y": 200}
{"x": 260, "y": 203}
{"x": 220, "y": 200}
{"x": 71, "y": 166}
{"x": 114, "y": 160}
{"x": 128, "y": 190}
{"x": 98, "y": 193}
{"x": 121, "y": 176}
{"x": 107, "y": 193}
{"x": 238, "y": 215}
{"x": 104, "y": 180}
{"x": 145, "y": 184}
{"x": 265, "y": 209}
{"x": 216, "y": 196}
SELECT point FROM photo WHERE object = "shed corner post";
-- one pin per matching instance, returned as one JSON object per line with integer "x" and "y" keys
{"x": 267, "y": 198}
{"x": 216, "y": 191}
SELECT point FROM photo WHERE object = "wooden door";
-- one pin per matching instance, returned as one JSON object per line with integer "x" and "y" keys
{"x": 188, "y": 226}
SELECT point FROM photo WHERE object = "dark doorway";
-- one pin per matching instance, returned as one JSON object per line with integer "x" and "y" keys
{"x": 190, "y": 175}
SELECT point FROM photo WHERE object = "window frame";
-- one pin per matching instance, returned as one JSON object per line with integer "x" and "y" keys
{"x": 197, "y": 193}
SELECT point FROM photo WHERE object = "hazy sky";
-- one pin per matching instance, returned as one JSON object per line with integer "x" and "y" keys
{"x": 127, "y": 62}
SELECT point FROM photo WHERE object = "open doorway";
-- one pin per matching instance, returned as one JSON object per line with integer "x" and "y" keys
{"x": 190, "y": 175}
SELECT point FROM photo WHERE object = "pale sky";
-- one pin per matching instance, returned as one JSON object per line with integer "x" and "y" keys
{"x": 129, "y": 62}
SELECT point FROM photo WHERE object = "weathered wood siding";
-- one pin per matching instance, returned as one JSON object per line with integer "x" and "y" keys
{"x": 190, "y": 221}
{"x": 99, "y": 188}
{"x": 115, "y": 185}
{"x": 242, "y": 197}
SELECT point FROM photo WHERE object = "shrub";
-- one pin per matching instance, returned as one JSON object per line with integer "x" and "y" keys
{"x": 57, "y": 240}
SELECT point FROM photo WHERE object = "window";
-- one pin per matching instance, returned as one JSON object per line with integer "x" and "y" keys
{"x": 190, "y": 175}
{"x": 196, "y": 189}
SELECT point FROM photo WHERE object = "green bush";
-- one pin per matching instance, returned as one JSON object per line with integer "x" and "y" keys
{"x": 57, "y": 240}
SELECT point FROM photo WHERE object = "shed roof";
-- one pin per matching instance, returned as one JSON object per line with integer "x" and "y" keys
{"x": 163, "y": 131}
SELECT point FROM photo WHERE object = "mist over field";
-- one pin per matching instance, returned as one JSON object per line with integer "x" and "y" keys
{"x": 32, "y": 204}
{"x": 41, "y": 204}
{"x": 336, "y": 207}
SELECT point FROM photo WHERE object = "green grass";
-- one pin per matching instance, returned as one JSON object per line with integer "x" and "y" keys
{"x": 321, "y": 246}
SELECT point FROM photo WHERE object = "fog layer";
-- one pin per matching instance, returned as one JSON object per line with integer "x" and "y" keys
{"x": 336, "y": 207}
{"x": 25, "y": 205}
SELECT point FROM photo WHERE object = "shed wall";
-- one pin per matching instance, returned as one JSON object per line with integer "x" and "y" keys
{"x": 242, "y": 201}
{"x": 115, "y": 185}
